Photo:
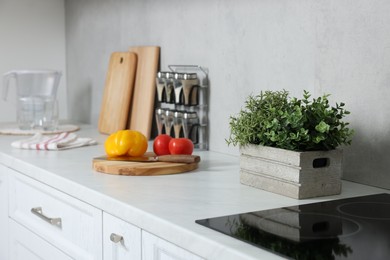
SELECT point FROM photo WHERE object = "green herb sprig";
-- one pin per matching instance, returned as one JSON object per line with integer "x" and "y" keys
{"x": 274, "y": 119}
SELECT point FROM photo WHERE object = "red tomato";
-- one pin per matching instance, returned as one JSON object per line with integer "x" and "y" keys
{"x": 181, "y": 146}
{"x": 161, "y": 144}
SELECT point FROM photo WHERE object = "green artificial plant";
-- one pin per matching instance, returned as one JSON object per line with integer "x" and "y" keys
{"x": 274, "y": 119}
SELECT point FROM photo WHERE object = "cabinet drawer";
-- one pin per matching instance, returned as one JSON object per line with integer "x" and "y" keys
{"x": 65, "y": 222}
{"x": 121, "y": 240}
{"x": 154, "y": 247}
{"x": 24, "y": 244}
{"x": 3, "y": 212}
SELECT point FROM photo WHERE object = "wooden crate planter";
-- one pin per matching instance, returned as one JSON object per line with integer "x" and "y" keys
{"x": 298, "y": 175}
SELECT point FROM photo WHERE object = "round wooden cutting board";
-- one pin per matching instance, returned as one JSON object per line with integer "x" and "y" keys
{"x": 141, "y": 168}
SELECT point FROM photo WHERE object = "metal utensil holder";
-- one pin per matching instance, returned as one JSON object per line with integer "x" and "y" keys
{"x": 187, "y": 87}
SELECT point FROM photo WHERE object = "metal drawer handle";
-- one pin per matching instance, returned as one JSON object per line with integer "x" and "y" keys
{"x": 116, "y": 238}
{"x": 53, "y": 221}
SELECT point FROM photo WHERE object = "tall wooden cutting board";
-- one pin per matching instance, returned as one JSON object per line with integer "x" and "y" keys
{"x": 141, "y": 112}
{"x": 118, "y": 92}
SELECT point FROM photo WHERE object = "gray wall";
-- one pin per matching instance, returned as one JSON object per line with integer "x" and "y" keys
{"x": 32, "y": 36}
{"x": 337, "y": 47}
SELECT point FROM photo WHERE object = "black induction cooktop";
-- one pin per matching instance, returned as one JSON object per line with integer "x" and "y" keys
{"x": 353, "y": 228}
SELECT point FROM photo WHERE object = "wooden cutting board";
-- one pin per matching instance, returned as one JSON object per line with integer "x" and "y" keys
{"x": 142, "y": 107}
{"x": 118, "y": 92}
{"x": 141, "y": 168}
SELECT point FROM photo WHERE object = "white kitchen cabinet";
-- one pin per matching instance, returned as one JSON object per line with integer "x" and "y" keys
{"x": 155, "y": 248}
{"x": 66, "y": 223}
{"x": 3, "y": 213}
{"x": 45, "y": 223}
{"x": 121, "y": 240}
{"x": 24, "y": 245}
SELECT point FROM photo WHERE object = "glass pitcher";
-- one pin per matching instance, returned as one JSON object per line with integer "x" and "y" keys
{"x": 37, "y": 106}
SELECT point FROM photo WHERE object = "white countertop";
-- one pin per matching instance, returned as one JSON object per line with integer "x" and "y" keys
{"x": 167, "y": 205}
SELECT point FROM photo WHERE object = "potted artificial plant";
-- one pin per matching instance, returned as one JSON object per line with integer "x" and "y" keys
{"x": 289, "y": 145}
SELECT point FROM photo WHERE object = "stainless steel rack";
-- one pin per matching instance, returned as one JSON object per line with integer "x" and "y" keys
{"x": 182, "y": 95}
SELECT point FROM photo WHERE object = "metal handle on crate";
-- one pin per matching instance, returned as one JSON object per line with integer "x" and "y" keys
{"x": 53, "y": 221}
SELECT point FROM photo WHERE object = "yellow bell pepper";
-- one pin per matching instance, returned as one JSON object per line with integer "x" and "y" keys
{"x": 126, "y": 142}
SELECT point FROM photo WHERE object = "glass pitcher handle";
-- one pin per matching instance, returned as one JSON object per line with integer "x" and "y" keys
{"x": 6, "y": 77}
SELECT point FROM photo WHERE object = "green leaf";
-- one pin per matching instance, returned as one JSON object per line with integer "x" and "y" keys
{"x": 322, "y": 127}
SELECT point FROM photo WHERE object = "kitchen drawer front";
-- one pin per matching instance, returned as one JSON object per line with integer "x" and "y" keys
{"x": 39, "y": 208}
{"x": 4, "y": 212}
{"x": 24, "y": 245}
{"x": 154, "y": 248}
{"x": 121, "y": 240}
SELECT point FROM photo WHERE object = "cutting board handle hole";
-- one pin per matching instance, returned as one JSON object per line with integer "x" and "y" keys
{"x": 121, "y": 60}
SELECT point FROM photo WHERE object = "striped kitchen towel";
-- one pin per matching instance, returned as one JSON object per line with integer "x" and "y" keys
{"x": 60, "y": 141}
